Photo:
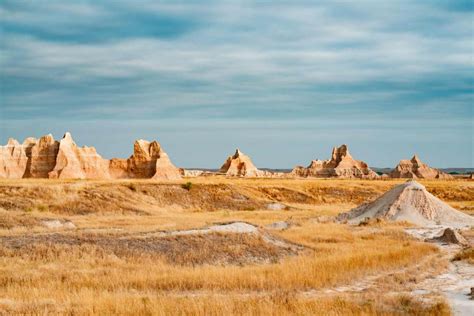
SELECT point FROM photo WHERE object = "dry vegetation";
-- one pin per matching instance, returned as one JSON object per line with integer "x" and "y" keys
{"x": 115, "y": 261}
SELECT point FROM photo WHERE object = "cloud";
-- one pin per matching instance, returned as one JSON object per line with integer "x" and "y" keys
{"x": 224, "y": 62}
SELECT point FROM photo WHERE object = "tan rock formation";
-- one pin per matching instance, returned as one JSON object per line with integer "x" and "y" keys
{"x": 148, "y": 161}
{"x": 73, "y": 162}
{"x": 410, "y": 202}
{"x": 341, "y": 165}
{"x": 13, "y": 160}
{"x": 41, "y": 156}
{"x": 118, "y": 168}
{"x": 240, "y": 165}
{"x": 47, "y": 158}
{"x": 416, "y": 169}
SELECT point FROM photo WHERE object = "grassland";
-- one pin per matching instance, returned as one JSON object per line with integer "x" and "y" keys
{"x": 115, "y": 262}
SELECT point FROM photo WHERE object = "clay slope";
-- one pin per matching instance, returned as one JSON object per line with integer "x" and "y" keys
{"x": 410, "y": 202}
{"x": 240, "y": 165}
{"x": 341, "y": 165}
{"x": 416, "y": 169}
{"x": 48, "y": 158}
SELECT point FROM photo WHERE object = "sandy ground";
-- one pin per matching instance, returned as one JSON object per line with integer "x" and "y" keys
{"x": 456, "y": 283}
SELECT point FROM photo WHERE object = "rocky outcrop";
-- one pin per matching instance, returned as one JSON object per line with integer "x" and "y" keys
{"x": 450, "y": 236}
{"x": 416, "y": 169}
{"x": 41, "y": 156}
{"x": 240, "y": 165}
{"x": 147, "y": 161}
{"x": 341, "y": 165}
{"x": 192, "y": 173}
{"x": 409, "y": 202}
{"x": 73, "y": 162}
{"x": 47, "y": 158}
{"x": 13, "y": 160}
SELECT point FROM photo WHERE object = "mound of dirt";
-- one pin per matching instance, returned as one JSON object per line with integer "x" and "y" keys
{"x": 235, "y": 243}
{"x": 409, "y": 202}
{"x": 450, "y": 236}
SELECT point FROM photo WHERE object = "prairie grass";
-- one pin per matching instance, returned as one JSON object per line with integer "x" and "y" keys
{"x": 85, "y": 278}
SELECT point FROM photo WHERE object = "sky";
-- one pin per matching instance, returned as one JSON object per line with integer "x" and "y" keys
{"x": 283, "y": 81}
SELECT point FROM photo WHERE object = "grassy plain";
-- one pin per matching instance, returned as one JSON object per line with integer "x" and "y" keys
{"x": 114, "y": 263}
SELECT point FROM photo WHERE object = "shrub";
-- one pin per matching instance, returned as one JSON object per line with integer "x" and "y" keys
{"x": 187, "y": 186}
{"x": 42, "y": 208}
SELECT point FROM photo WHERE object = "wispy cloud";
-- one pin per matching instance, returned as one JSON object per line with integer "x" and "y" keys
{"x": 334, "y": 61}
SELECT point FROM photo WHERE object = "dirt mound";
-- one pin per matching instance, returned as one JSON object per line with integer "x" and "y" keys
{"x": 410, "y": 202}
{"x": 232, "y": 243}
{"x": 341, "y": 165}
{"x": 451, "y": 236}
{"x": 416, "y": 169}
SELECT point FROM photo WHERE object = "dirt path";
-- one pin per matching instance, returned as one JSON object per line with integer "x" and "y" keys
{"x": 455, "y": 284}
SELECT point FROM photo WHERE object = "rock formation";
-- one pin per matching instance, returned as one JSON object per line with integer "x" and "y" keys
{"x": 192, "y": 173}
{"x": 41, "y": 156}
{"x": 13, "y": 160}
{"x": 341, "y": 165}
{"x": 416, "y": 169}
{"x": 240, "y": 165}
{"x": 451, "y": 236}
{"x": 73, "y": 162}
{"x": 409, "y": 202}
{"x": 47, "y": 158}
{"x": 147, "y": 161}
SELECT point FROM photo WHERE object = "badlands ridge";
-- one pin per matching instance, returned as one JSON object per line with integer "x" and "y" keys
{"x": 63, "y": 159}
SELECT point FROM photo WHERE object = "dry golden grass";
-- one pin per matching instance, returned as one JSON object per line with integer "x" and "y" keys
{"x": 465, "y": 254}
{"x": 89, "y": 277}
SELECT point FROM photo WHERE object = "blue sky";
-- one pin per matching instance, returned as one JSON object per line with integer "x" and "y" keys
{"x": 283, "y": 81}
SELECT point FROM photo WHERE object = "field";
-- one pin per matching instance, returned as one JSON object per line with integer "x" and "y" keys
{"x": 118, "y": 247}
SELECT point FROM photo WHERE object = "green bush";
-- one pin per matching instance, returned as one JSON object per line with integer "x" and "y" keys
{"x": 187, "y": 186}
{"x": 42, "y": 208}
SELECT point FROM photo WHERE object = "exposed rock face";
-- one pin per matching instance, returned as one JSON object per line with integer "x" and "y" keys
{"x": 341, "y": 165}
{"x": 118, "y": 168}
{"x": 191, "y": 173}
{"x": 164, "y": 169}
{"x": 47, "y": 158}
{"x": 240, "y": 165}
{"x": 148, "y": 161}
{"x": 73, "y": 162}
{"x": 416, "y": 169}
{"x": 13, "y": 160}
{"x": 451, "y": 236}
{"x": 41, "y": 156}
{"x": 409, "y": 202}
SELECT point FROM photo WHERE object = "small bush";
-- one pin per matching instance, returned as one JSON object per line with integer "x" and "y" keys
{"x": 42, "y": 208}
{"x": 187, "y": 186}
